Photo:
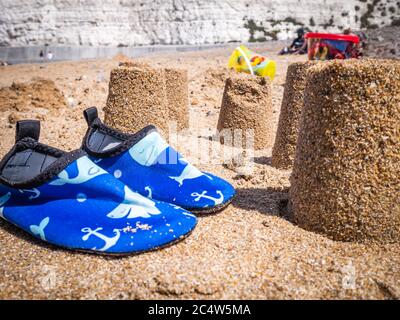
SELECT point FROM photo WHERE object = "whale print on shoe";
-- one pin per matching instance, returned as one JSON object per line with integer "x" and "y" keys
{"x": 67, "y": 200}
{"x": 147, "y": 164}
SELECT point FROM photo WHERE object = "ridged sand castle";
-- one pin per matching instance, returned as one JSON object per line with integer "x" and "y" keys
{"x": 284, "y": 149}
{"x": 140, "y": 95}
{"x": 346, "y": 176}
{"x": 247, "y": 104}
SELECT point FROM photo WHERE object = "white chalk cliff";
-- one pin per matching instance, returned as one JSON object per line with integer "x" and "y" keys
{"x": 146, "y": 22}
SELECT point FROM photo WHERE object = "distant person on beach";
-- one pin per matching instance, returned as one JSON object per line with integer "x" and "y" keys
{"x": 362, "y": 45}
{"x": 50, "y": 56}
{"x": 298, "y": 46}
{"x": 41, "y": 55}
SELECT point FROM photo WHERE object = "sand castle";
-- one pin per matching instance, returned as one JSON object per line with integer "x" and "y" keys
{"x": 140, "y": 95}
{"x": 346, "y": 176}
{"x": 136, "y": 98}
{"x": 247, "y": 104}
{"x": 284, "y": 148}
{"x": 176, "y": 85}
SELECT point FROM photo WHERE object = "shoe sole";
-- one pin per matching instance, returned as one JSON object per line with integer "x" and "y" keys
{"x": 211, "y": 210}
{"x": 101, "y": 253}
{"x": 124, "y": 254}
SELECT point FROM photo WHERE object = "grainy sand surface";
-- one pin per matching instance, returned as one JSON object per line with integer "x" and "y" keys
{"x": 249, "y": 250}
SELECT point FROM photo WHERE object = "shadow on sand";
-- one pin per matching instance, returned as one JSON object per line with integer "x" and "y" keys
{"x": 268, "y": 201}
{"x": 262, "y": 160}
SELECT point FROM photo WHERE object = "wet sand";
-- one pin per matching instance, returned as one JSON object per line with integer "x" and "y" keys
{"x": 249, "y": 250}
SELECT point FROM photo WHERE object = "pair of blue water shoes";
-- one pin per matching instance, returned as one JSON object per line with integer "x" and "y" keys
{"x": 119, "y": 194}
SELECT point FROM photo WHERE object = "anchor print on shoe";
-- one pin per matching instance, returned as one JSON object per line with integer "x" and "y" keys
{"x": 67, "y": 200}
{"x": 150, "y": 166}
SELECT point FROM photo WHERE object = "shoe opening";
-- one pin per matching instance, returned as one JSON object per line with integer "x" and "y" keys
{"x": 100, "y": 141}
{"x": 30, "y": 162}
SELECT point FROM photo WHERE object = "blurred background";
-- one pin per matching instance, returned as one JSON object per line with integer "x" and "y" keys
{"x": 76, "y": 29}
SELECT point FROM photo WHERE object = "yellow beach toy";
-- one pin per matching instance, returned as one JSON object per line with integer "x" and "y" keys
{"x": 244, "y": 60}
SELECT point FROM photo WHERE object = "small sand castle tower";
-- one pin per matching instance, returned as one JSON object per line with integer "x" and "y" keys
{"x": 176, "y": 85}
{"x": 136, "y": 98}
{"x": 247, "y": 104}
{"x": 140, "y": 95}
{"x": 292, "y": 104}
{"x": 346, "y": 175}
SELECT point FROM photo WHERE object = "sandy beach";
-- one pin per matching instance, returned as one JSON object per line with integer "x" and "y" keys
{"x": 250, "y": 250}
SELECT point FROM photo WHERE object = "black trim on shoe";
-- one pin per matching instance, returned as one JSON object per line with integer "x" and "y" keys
{"x": 64, "y": 159}
{"x": 29, "y": 163}
{"x": 27, "y": 128}
{"x": 90, "y": 115}
{"x": 127, "y": 140}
